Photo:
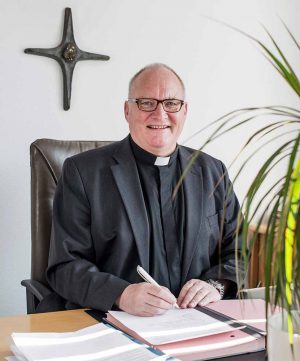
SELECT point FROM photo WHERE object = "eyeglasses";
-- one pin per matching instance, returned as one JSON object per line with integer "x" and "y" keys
{"x": 149, "y": 105}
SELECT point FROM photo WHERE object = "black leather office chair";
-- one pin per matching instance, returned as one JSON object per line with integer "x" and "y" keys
{"x": 46, "y": 160}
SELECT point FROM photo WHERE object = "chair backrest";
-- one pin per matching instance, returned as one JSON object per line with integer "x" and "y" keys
{"x": 46, "y": 159}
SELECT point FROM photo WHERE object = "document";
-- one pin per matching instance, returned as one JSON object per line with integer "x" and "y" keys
{"x": 215, "y": 346}
{"x": 203, "y": 334}
{"x": 97, "y": 342}
{"x": 251, "y": 312}
{"x": 174, "y": 325}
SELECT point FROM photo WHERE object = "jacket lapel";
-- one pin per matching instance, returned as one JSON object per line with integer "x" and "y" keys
{"x": 127, "y": 179}
{"x": 193, "y": 194}
{"x": 126, "y": 176}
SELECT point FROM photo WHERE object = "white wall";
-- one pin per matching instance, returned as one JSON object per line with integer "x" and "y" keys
{"x": 222, "y": 71}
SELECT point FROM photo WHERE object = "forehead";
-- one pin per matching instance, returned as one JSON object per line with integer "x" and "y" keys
{"x": 157, "y": 83}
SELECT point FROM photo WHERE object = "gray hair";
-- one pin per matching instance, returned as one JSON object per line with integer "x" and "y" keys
{"x": 153, "y": 66}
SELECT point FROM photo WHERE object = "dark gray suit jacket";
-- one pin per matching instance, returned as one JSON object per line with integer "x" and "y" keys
{"x": 101, "y": 232}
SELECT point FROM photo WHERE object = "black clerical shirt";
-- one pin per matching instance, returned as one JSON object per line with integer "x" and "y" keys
{"x": 165, "y": 216}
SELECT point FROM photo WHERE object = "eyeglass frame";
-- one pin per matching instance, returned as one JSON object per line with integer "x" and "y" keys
{"x": 136, "y": 100}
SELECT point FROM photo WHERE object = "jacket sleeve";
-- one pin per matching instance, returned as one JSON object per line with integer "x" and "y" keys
{"x": 226, "y": 262}
{"x": 72, "y": 272}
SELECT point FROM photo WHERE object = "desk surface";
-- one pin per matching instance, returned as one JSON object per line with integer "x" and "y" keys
{"x": 63, "y": 322}
{"x": 43, "y": 322}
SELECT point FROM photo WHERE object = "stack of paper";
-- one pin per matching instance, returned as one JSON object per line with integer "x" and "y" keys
{"x": 98, "y": 342}
{"x": 174, "y": 325}
{"x": 224, "y": 328}
{"x": 215, "y": 346}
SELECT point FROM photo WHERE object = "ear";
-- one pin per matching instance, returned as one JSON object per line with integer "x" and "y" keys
{"x": 185, "y": 108}
{"x": 126, "y": 109}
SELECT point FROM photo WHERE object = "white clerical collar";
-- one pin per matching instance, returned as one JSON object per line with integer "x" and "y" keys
{"x": 143, "y": 156}
{"x": 161, "y": 161}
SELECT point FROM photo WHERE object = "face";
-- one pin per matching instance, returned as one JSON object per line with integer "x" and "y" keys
{"x": 157, "y": 131}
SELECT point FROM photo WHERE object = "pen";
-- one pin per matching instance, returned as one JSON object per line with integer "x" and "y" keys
{"x": 146, "y": 277}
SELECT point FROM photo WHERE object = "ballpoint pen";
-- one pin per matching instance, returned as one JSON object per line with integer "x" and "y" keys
{"x": 146, "y": 277}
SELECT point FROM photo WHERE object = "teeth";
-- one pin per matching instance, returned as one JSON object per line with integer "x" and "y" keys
{"x": 158, "y": 126}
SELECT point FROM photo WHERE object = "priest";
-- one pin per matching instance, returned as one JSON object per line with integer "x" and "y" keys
{"x": 122, "y": 205}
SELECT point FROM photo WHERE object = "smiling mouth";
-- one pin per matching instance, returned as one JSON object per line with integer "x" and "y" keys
{"x": 158, "y": 126}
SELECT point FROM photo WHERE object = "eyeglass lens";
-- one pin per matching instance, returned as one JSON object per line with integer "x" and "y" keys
{"x": 169, "y": 105}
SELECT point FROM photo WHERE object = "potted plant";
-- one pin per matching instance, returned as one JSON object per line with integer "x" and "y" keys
{"x": 278, "y": 206}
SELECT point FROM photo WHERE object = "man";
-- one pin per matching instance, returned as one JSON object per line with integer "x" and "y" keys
{"x": 115, "y": 208}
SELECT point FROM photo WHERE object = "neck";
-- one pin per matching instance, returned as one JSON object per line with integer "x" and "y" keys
{"x": 155, "y": 151}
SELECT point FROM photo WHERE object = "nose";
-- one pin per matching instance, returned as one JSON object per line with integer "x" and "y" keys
{"x": 159, "y": 111}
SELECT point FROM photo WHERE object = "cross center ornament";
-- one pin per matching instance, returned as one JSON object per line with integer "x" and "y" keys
{"x": 67, "y": 54}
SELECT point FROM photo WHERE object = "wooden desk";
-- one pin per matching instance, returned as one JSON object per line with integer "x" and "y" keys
{"x": 62, "y": 322}
{"x": 43, "y": 322}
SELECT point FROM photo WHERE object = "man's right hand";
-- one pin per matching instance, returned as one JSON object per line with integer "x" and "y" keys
{"x": 145, "y": 299}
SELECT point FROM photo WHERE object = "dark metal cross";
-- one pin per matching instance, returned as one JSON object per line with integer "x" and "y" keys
{"x": 67, "y": 54}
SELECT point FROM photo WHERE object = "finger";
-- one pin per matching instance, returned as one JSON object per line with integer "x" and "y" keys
{"x": 199, "y": 296}
{"x": 191, "y": 294}
{"x": 175, "y": 304}
{"x": 150, "y": 311}
{"x": 184, "y": 291}
{"x": 158, "y": 302}
{"x": 166, "y": 289}
{"x": 143, "y": 313}
{"x": 153, "y": 310}
{"x": 162, "y": 293}
{"x": 212, "y": 296}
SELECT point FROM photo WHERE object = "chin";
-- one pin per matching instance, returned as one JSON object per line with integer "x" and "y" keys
{"x": 161, "y": 142}
{"x": 162, "y": 149}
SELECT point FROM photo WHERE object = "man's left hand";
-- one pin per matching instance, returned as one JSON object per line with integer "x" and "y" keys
{"x": 196, "y": 292}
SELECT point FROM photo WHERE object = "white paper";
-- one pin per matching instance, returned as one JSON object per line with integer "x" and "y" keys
{"x": 174, "y": 325}
{"x": 97, "y": 342}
